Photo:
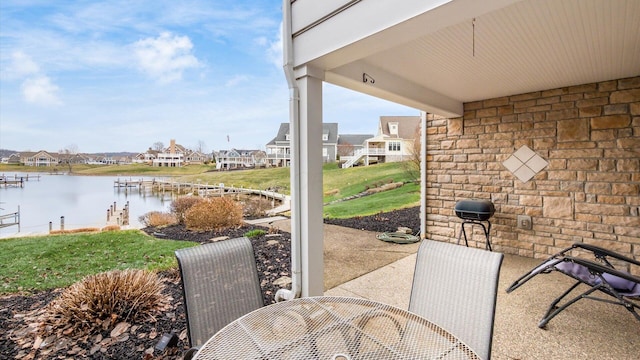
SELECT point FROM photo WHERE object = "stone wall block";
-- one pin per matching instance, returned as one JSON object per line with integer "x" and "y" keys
{"x": 562, "y": 114}
{"x": 608, "y": 85}
{"x": 590, "y": 111}
{"x": 585, "y": 88}
{"x": 573, "y": 130}
{"x": 631, "y": 143}
{"x": 557, "y": 207}
{"x": 625, "y": 96}
{"x": 454, "y": 126}
{"x": 610, "y": 122}
{"x": 629, "y": 83}
{"x": 625, "y": 189}
{"x": 600, "y": 209}
{"x": 576, "y": 154}
{"x": 616, "y": 109}
{"x": 631, "y": 165}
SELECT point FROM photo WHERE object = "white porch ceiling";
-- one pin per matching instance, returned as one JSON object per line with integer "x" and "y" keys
{"x": 436, "y": 61}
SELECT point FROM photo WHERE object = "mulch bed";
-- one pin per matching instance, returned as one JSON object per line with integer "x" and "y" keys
{"x": 18, "y": 340}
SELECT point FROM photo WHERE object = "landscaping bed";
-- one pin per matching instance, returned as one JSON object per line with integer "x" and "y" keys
{"x": 17, "y": 340}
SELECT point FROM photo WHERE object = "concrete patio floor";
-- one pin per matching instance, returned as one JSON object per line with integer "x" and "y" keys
{"x": 586, "y": 330}
{"x": 359, "y": 265}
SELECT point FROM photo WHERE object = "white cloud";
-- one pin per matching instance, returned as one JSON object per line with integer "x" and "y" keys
{"x": 274, "y": 51}
{"x": 236, "y": 80}
{"x": 166, "y": 57}
{"x": 39, "y": 90}
{"x": 22, "y": 65}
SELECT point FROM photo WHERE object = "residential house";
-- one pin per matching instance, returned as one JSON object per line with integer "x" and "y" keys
{"x": 73, "y": 159}
{"x": 146, "y": 157}
{"x": 538, "y": 103}
{"x": 350, "y": 144}
{"x": 172, "y": 156}
{"x": 238, "y": 159}
{"x": 195, "y": 157}
{"x": 394, "y": 141}
{"x": 279, "y": 149}
{"x": 40, "y": 158}
{"x": 13, "y": 159}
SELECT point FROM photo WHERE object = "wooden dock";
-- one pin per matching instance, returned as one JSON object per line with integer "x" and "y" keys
{"x": 205, "y": 190}
{"x": 10, "y": 219}
{"x": 16, "y": 181}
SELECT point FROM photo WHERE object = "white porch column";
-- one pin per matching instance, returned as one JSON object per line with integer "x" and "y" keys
{"x": 306, "y": 180}
{"x": 423, "y": 174}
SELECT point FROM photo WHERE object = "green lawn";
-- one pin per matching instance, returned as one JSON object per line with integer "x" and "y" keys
{"x": 46, "y": 262}
{"x": 405, "y": 196}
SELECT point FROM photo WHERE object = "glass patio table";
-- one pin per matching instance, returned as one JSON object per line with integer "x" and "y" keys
{"x": 333, "y": 328}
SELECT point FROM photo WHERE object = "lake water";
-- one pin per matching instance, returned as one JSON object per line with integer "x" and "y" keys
{"x": 82, "y": 200}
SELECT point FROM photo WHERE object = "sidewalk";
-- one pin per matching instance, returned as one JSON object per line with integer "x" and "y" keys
{"x": 359, "y": 265}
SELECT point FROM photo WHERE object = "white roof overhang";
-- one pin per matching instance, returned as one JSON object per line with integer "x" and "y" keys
{"x": 437, "y": 55}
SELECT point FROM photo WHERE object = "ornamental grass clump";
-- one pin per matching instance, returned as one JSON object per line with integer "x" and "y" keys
{"x": 157, "y": 219}
{"x": 101, "y": 301}
{"x": 214, "y": 214}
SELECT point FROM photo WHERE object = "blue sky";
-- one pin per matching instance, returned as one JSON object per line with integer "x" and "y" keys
{"x": 121, "y": 75}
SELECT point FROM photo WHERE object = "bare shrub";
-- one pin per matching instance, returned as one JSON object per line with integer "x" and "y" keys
{"x": 181, "y": 205}
{"x": 101, "y": 301}
{"x": 111, "y": 228}
{"x": 214, "y": 214}
{"x": 157, "y": 218}
{"x": 255, "y": 207}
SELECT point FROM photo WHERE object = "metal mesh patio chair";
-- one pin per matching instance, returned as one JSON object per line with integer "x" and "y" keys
{"x": 220, "y": 284}
{"x": 602, "y": 277}
{"x": 456, "y": 288}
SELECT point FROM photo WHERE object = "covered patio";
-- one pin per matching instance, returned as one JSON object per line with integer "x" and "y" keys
{"x": 560, "y": 77}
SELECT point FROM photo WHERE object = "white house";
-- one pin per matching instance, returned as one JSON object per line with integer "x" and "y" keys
{"x": 238, "y": 159}
{"x": 394, "y": 142}
{"x": 173, "y": 156}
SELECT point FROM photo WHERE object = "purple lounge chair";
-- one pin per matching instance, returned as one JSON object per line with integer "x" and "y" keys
{"x": 621, "y": 287}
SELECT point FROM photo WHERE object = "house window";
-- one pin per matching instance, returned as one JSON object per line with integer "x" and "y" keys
{"x": 324, "y": 152}
{"x": 325, "y": 137}
{"x": 287, "y": 137}
{"x": 394, "y": 146}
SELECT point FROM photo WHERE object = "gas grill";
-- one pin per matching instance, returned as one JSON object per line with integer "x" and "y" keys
{"x": 475, "y": 212}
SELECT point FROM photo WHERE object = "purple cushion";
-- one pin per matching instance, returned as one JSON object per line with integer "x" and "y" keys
{"x": 578, "y": 271}
{"x": 619, "y": 283}
{"x": 627, "y": 287}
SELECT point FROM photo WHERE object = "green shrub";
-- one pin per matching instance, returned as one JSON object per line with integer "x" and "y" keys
{"x": 102, "y": 301}
{"x": 255, "y": 233}
{"x": 181, "y": 205}
{"x": 214, "y": 214}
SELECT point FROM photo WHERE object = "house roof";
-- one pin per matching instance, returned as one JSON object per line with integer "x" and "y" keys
{"x": 327, "y": 128}
{"x": 436, "y": 55}
{"x": 407, "y": 126}
{"x": 353, "y": 139}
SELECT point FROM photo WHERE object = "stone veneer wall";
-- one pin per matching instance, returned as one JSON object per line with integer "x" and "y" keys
{"x": 589, "y": 192}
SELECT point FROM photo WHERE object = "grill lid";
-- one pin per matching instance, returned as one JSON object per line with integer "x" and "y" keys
{"x": 480, "y": 210}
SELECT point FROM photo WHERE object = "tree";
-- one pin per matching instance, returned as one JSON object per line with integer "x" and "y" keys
{"x": 158, "y": 146}
{"x": 345, "y": 149}
{"x": 200, "y": 147}
{"x": 69, "y": 151}
{"x": 412, "y": 167}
